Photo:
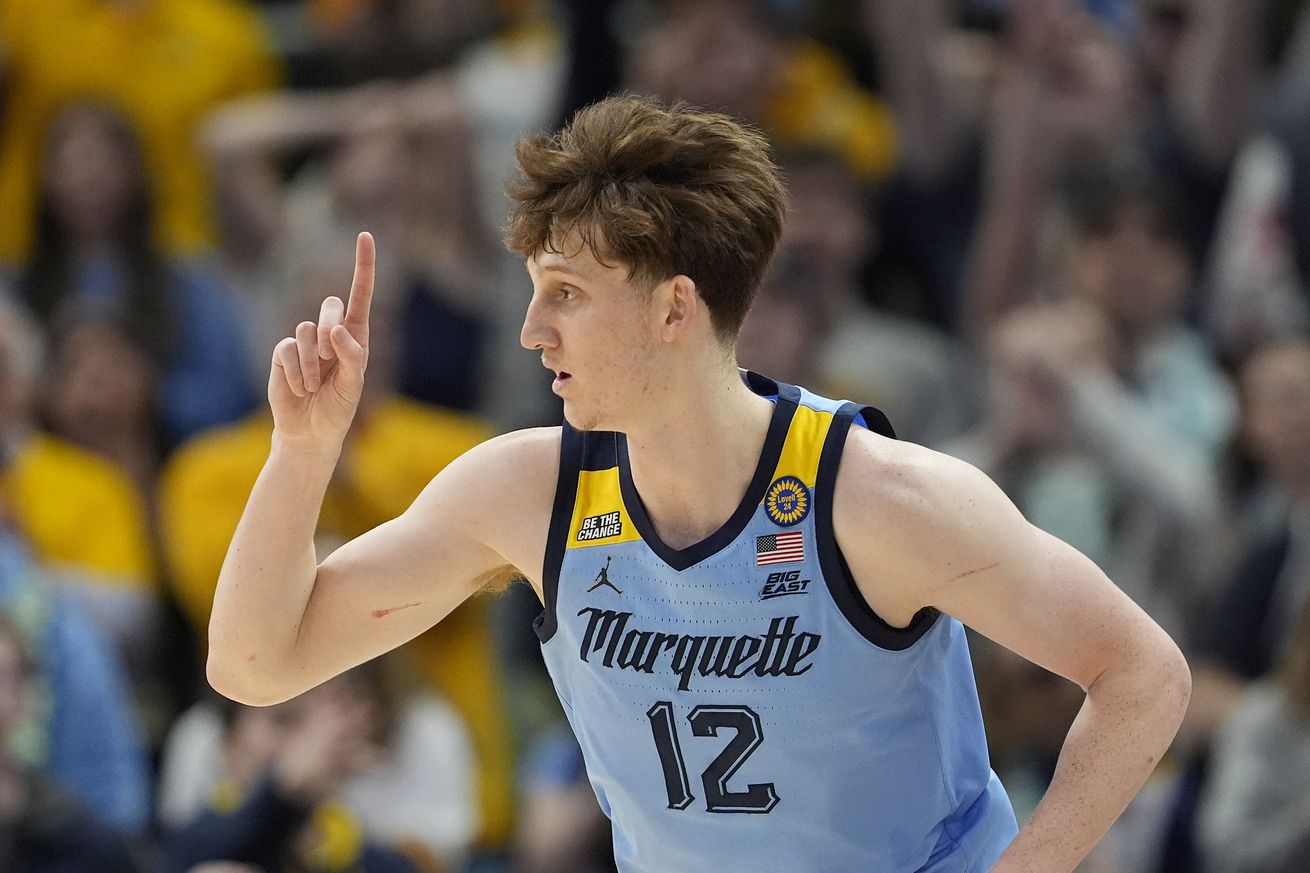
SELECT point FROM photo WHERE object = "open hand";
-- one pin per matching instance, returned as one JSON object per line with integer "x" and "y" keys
{"x": 317, "y": 376}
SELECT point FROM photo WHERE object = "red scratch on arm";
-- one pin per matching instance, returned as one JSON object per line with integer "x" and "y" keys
{"x": 974, "y": 570}
{"x": 383, "y": 613}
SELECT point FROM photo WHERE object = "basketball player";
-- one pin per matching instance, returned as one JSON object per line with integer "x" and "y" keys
{"x": 772, "y": 672}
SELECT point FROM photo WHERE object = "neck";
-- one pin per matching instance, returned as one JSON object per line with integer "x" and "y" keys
{"x": 693, "y": 462}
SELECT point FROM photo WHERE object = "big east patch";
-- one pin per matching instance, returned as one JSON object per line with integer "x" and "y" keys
{"x": 782, "y": 583}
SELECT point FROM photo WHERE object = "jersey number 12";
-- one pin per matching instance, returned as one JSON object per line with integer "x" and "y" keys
{"x": 706, "y": 722}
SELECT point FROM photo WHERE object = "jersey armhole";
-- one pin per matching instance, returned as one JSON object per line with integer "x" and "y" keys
{"x": 836, "y": 572}
{"x": 561, "y": 515}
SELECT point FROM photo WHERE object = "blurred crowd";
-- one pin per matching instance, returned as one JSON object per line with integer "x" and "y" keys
{"x": 1066, "y": 240}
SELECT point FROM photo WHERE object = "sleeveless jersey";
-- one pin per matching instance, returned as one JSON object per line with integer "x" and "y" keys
{"x": 738, "y": 704}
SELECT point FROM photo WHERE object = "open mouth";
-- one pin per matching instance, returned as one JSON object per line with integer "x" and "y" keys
{"x": 561, "y": 379}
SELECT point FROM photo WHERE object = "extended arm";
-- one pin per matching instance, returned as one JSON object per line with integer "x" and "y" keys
{"x": 1148, "y": 455}
{"x": 947, "y": 537}
{"x": 282, "y": 622}
{"x": 908, "y": 36}
{"x": 246, "y": 139}
{"x": 1214, "y": 81}
{"x": 1020, "y": 167}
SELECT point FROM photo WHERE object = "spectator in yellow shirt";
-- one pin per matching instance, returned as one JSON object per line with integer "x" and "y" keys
{"x": 85, "y": 524}
{"x": 83, "y": 518}
{"x": 165, "y": 63}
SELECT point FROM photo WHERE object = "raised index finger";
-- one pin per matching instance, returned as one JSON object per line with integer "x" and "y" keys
{"x": 361, "y": 289}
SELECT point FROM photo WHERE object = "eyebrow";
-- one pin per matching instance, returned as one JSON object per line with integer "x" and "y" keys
{"x": 552, "y": 268}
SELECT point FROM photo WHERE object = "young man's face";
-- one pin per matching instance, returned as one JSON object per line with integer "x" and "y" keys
{"x": 1276, "y": 417}
{"x": 1137, "y": 275}
{"x": 596, "y": 331}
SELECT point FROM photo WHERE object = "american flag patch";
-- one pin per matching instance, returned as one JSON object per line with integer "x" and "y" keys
{"x": 781, "y": 548}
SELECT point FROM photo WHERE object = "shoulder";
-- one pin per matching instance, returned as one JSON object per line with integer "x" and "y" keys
{"x": 905, "y": 516}
{"x": 897, "y": 482}
{"x": 503, "y": 487}
{"x": 531, "y": 453}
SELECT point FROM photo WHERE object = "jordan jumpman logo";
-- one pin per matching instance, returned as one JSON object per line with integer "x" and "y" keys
{"x": 603, "y": 578}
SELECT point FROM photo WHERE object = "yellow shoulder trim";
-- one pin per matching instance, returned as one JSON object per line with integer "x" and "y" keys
{"x": 804, "y": 444}
{"x": 599, "y": 516}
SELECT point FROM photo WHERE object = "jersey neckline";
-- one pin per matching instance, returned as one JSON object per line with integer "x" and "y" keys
{"x": 785, "y": 400}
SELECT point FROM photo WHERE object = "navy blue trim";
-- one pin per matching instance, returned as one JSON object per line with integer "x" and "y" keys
{"x": 571, "y": 446}
{"x": 784, "y": 409}
{"x": 873, "y": 419}
{"x": 600, "y": 450}
{"x": 762, "y": 385}
{"x": 836, "y": 572}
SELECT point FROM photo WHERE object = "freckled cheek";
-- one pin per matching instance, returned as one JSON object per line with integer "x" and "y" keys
{"x": 607, "y": 350}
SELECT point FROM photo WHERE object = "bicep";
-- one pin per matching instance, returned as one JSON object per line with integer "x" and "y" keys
{"x": 1039, "y": 597}
{"x": 407, "y": 563}
{"x": 950, "y": 539}
{"x": 387, "y": 587}
{"x": 394, "y": 582}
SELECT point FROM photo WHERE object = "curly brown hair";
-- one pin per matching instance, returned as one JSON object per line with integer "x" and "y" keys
{"x": 662, "y": 191}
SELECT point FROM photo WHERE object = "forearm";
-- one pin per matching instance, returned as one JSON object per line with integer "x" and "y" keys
{"x": 268, "y": 574}
{"x": 1215, "y": 79}
{"x": 906, "y": 35}
{"x": 1019, "y": 172}
{"x": 268, "y": 125}
{"x": 1170, "y": 471}
{"x": 1131, "y": 715}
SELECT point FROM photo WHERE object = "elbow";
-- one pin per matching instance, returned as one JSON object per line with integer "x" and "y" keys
{"x": 239, "y": 682}
{"x": 1155, "y": 682}
{"x": 1174, "y": 688}
{"x": 1180, "y": 671}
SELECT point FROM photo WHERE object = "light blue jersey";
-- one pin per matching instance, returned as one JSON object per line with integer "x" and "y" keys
{"x": 739, "y": 705}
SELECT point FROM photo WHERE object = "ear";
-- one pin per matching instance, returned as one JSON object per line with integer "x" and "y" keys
{"x": 681, "y": 307}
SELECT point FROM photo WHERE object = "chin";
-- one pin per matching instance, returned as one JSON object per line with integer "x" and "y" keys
{"x": 583, "y": 418}
{"x": 581, "y": 421}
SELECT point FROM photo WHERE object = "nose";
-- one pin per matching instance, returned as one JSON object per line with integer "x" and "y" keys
{"x": 537, "y": 332}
